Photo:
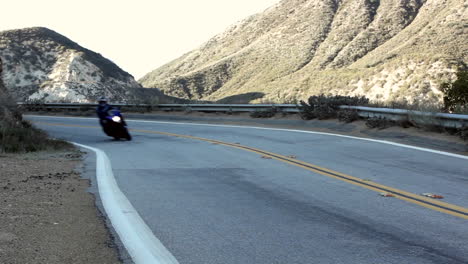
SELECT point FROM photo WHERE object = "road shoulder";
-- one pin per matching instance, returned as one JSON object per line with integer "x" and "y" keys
{"x": 47, "y": 215}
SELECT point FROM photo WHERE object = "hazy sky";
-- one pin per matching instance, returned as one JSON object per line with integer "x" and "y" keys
{"x": 138, "y": 35}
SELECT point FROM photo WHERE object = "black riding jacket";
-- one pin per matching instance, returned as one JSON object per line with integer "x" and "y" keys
{"x": 103, "y": 111}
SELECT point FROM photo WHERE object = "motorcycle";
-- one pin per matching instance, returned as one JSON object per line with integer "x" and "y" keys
{"x": 115, "y": 126}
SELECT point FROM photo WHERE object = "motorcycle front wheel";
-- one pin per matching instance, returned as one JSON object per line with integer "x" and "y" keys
{"x": 127, "y": 135}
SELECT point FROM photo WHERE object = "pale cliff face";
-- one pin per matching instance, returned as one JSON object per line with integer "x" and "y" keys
{"x": 40, "y": 64}
{"x": 386, "y": 50}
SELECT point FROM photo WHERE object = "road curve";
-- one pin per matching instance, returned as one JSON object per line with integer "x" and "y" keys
{"x": 210, "y": 202}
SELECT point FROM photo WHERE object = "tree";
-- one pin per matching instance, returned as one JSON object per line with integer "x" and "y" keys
{"x": 456, "y": 93}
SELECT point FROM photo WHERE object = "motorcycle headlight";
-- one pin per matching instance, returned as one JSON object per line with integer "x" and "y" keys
{"x": 116, "y": 119}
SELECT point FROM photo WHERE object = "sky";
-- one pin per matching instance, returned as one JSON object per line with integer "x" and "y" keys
{"x": 137, "y": 35}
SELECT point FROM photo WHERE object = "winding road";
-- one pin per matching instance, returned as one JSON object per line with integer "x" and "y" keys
{"x": 232, "y": 194}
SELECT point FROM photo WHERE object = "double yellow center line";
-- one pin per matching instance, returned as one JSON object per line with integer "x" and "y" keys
{"x": 447, "y": 208}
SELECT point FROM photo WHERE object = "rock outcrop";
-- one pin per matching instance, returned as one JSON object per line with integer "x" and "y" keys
{"x": 40, "y": 64}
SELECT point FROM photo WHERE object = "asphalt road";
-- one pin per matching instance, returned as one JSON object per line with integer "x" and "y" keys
{"x": 212, "y": 203}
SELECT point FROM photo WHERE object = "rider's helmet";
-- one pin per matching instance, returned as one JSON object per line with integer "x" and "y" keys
{"x": 102, "y": 100}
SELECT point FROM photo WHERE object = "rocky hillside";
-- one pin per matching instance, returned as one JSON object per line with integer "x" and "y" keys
{"x": 5, "y": 99}
{"x": 8, "y": 112}
{"x": 387, "y": 50}
{"x": 3, "y": 90}
{"x": 40, "y": 64}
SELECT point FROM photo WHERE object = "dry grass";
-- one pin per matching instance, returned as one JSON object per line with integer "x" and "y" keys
{"x": 21, "y": 136}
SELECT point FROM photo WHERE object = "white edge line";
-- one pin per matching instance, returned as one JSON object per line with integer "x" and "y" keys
{"x": 136, "y": 236}
{"x": 291, "y": 130}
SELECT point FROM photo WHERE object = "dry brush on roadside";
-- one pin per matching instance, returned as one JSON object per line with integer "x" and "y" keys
{"x": 18, "y": 135}
{"x": 328, "y": 107}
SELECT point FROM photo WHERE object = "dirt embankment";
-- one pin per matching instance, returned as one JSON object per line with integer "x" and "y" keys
{"x": 46, "y": 215}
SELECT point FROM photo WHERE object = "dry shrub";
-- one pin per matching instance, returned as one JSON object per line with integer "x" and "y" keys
{"x": 379, "y": 122}
{"x": 463, "y": 132}
{"x": 25, "y": 138}
{"x": 18, "y": 135}
{"x": 348, "y": 115}
{"x": 264, "y": 113}
{"x": 456, "y": 93}
{"x": 326, "y": 107}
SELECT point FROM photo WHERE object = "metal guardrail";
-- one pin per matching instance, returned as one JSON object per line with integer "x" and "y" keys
{"x": 436, "y": 119}
{"x": 419, "y": 117}
{"x": 287, "y": 108}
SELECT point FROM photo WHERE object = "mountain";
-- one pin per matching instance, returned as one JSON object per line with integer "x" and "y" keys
{"x": 40, "y": 64}
{"x": 387, "y": 50}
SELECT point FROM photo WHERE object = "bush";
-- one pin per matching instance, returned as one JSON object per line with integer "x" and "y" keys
{"x": 463, "y": 132}
{"x": 264, "y": 113}
{"x": 348, "y": 115}
{"x": 379, "y": 122}
{"x": 25, "y": 138}
{"x": 18, "y": 135}
{"x": 456, "y": 93}
{"x": 326, "y": 107}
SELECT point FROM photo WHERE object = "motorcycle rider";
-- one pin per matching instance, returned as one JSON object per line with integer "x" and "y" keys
{"x": 103, "y": 109}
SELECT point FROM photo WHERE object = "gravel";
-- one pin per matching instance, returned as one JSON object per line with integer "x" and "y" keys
{"x": 46, "y": 213}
